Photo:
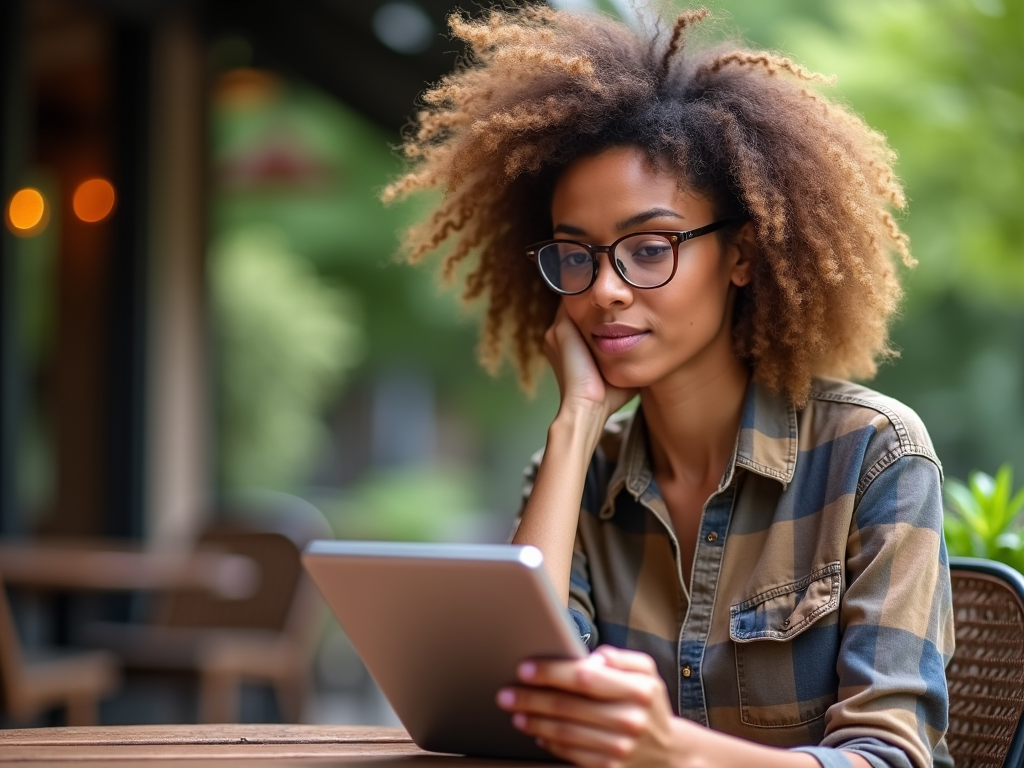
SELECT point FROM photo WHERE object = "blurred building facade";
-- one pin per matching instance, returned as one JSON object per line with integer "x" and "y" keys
{"x": 105, "y": 358}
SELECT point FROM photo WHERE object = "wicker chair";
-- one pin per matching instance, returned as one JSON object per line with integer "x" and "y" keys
{"x": 986, "y": 673}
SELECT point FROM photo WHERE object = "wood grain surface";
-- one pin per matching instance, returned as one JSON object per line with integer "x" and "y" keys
{"x": 208, "y": 745}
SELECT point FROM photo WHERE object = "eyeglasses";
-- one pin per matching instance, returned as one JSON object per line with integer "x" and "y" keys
{"x": 643, "y": 259}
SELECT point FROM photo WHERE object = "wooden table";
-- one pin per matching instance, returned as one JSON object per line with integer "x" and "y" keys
{"x": 258, "y": 745}
{"x": 110, "y": 565}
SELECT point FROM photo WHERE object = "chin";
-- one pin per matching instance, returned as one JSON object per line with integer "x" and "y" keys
{"x": 627, "y": 377}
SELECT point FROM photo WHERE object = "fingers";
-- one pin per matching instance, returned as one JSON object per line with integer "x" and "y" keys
{"x": 610, "y": 709}
{"x": 560, "y": 736}
{"x": 628, "y": 661}
{"x": 564, "y": 344}
{"x": 579, "y": 377}
{"x": 545, "y": 712}
{"x": 584, "y": 758}
{"x": 595, "y": 678}
{"x": 582, "y": 730}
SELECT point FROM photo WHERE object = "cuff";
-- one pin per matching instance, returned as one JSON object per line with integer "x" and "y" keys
{"x": 827, "y": 756}
{"x": 587, "y": 633}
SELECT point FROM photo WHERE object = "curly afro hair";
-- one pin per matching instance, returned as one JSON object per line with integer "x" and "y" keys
{"x": 539, "y": 88}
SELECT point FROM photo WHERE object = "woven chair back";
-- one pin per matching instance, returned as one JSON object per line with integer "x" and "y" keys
{"x": 986, "y": 674}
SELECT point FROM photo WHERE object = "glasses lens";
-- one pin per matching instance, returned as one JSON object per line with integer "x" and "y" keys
{"x": 645, "y": 259}
{"x": 567, "y": 267}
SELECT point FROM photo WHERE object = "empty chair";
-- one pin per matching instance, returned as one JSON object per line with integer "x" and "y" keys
{"x": 268, "y": 637}
{"x": 986, "y": 674}
{"x": 75, "y": 681}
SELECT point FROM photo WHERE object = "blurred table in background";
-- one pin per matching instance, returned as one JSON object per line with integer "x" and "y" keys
{"x": 264, "y": 745}
{"x": 113, "y": 565}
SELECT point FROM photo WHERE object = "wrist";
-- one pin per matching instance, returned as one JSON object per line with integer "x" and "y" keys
{"x": 686, "y": 749}
{"x": 577, "y": 430}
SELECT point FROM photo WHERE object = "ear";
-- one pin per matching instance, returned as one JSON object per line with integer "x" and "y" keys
{"x": 743, "y": 249}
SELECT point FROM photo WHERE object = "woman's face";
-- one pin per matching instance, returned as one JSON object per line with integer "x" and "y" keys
{"x": 679, "y": 332}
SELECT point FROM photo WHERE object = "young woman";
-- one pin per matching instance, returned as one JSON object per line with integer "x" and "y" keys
{"x": 755, "y": 555}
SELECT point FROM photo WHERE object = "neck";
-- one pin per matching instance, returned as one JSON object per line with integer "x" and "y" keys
{"x": 693, "y": 422}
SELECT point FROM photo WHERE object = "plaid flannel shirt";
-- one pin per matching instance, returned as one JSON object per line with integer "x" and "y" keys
{"x": 819, "y": 613}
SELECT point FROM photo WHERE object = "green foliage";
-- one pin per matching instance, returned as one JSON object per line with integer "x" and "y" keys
{"x": 944, "y": 80}
{"x": 285, "y": 338}
{"x": 984, "y": 517}
{"x": 335, "y": 220}
{"x": 407, "y": 504}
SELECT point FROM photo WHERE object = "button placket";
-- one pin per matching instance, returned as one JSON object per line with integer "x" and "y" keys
{"x": 697, "y": 624}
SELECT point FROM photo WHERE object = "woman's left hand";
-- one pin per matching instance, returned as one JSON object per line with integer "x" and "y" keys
{"x": 608, "y": 710}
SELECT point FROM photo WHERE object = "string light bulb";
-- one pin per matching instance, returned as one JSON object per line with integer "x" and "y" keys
{"x": 93, "y": 200}
{"x": 27, "y": 212}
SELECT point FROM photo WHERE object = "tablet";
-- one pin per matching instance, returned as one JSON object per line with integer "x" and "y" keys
{"x": 441, "y": 627}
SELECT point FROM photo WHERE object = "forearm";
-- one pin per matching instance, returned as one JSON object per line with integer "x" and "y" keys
{"x": 549, "y": 518}
{"x": 699, "y": 747}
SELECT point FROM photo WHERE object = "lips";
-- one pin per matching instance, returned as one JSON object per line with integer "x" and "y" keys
{"x": 613, "y": 338}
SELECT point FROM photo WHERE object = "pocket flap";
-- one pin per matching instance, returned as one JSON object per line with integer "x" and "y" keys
{"x": 784, "y": 612}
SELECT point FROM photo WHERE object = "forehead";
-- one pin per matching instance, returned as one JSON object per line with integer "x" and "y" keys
{"x": 618, "y": 183}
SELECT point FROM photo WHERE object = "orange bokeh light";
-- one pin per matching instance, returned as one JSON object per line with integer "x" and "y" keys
{"x": 26, "y": 212}
{"x": 93, "y": 200}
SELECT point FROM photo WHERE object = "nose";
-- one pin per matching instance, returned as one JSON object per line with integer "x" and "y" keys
{"x": 609, "y": 289}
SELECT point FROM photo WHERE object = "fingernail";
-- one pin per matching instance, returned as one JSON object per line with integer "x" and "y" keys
{"x": 519, "y": 720}
{"x": 506, "y": 698}
{"x": 527, "y": 670}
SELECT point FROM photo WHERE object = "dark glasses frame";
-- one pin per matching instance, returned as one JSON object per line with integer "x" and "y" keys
{"x": 674, "y": 238}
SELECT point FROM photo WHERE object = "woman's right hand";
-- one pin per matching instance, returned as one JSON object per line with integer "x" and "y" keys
{"x": 579, "y": 379}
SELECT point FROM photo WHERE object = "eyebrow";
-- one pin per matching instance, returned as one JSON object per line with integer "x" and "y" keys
{"x": 632, "y": 221}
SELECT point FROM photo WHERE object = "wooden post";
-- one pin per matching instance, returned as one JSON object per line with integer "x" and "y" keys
{"x": 178, "y": 454}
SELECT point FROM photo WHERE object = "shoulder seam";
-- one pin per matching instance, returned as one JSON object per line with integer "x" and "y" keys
{"x": 907, "y": 446}
{"x": 888, "y": 460}
{"x": 889, "y": 413}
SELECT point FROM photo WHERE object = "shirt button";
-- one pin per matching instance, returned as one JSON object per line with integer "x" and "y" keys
{"x": 686, "y": 671}
{"x": 712, "y": 537}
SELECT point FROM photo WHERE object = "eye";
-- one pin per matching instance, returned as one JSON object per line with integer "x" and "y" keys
{"x": 575, "y": 258}
{"x": 650, "y": 250}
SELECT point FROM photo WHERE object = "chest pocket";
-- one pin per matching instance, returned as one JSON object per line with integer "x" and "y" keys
{"x": 787, "y": 642}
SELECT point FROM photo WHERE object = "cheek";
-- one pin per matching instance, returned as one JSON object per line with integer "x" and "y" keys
{"x": 699, "y": 305}
{"x": 701, "y": 295}
{"x": 576, "y": 307}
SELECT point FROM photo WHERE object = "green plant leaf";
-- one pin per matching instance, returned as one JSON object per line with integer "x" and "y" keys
{"x": 964, "y": 503}
{"x": 983, "y": 518}
{"x": 982, "y": 486}
{"x": 1011, "y": 540}
{"x": 1015, "y": 507}
{"x": 999, "y": 510}
{"x": 961, "y": 540}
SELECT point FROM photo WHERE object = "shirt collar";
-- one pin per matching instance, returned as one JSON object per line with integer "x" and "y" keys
{"x": 767, "y": 444}
{"x": 768, "y": 441}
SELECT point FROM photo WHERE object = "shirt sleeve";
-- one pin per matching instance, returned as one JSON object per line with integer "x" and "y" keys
{"x": 897, "y": 623}
{"x": 581, "y": 608}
